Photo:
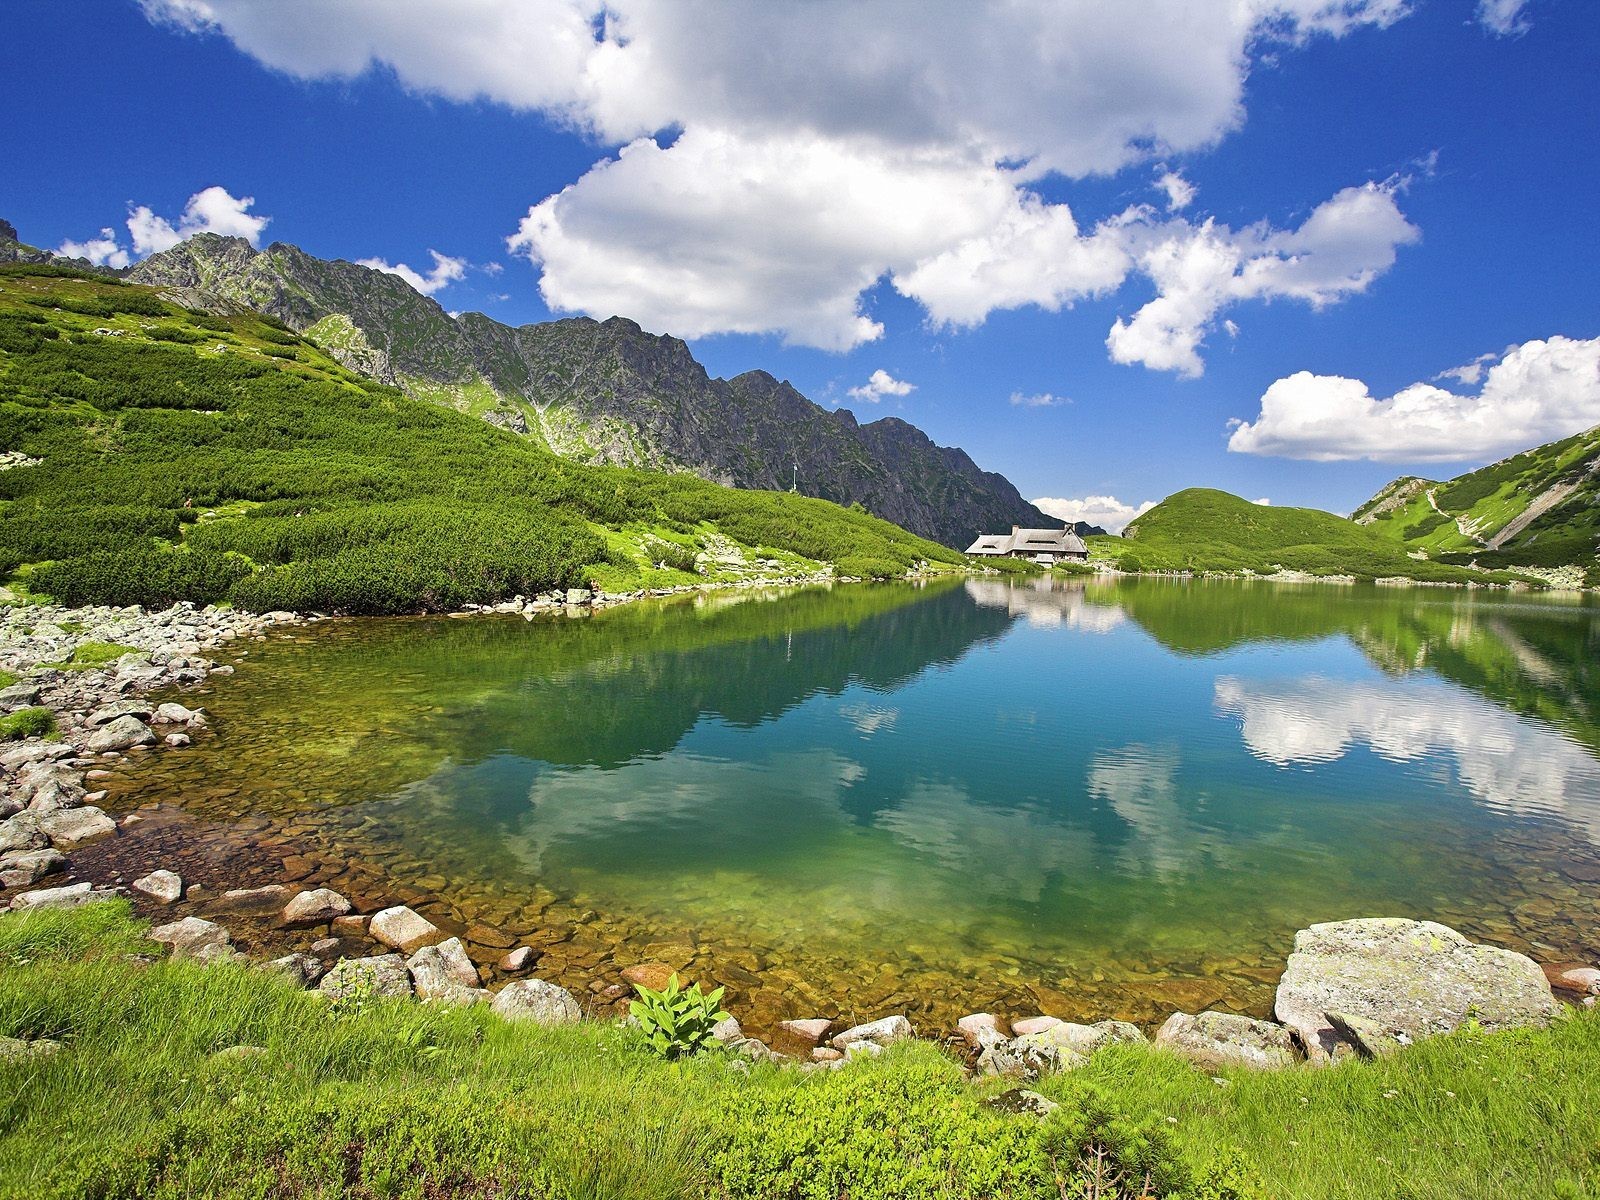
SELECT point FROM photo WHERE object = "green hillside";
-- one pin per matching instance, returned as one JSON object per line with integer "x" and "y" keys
{"x": 1540, "y": 508}
{"x": 149, "y": 453}
{"x": 1202, "y": 529}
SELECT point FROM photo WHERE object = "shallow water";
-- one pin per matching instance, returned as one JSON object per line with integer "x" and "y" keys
{"x": 1101, "y": 799}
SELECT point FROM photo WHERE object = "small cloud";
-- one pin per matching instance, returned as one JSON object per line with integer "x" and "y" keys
{"x": 446, "y": 270}
{"x": 211, "y": 210}
{"x": 1471, "y": 372}
{"x": 492, "y": 268}
{"x": 499, "y": 297}
{"x": 102, "y": 251}
{"x": 1180, "y": 192}
{"x": 1040, "y": 400}
{"x": 1264, "y": 502}
{"x": 1108, "y": 512}
{"x": 1504, "y": 18}
{"x": 879, "y": 385}
{"x": 1231, "y": 328}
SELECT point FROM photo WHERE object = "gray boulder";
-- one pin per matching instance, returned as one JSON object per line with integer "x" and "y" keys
{"x": 436, "y": 970}
{"x": 123, "y": 733}
{"x": 22, "y": 832}
{"x": 164, "y": 887}
{"x": 1411, "y": 978}
{"x": 379, "y": 975}
{"x": 139, "y": 710}
{"x": 1214, "y": 1040}
{"x": 68, "y": 896}
{"x": 192, "y": 937}
{"x": 316, "y": 907}
{"x": 72, "y": 826}
{"x": 302, "y": 969}
{"x": 404, "y": 929}
{"x": 537, "y": 1001}
{"x": 22, "y": 867}
{"x": 882, "y": 1032}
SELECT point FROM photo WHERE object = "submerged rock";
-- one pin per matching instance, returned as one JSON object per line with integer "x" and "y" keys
{"x": 317, "y": 907}
{"x": 538, "y": 1001}
{"x": 1214, "y": 1040}
{"x": 1416, "y": 978}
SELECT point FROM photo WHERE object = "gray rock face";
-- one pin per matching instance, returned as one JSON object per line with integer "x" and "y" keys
{"x": 302, "y": 969}
{"x": 164, "y": 887}
{"x": 73, "y": 826}
{"x": 379, "y": 975}
{"x": 1214, "y": 1040}
{"x": 404, "y": 929}
{"x": 437, "y": 970}
{"x": 882, "y": 1032}
{"x": 123, "y": 733}
{"x": 22, "y": 867}
{"x": 1415, "y": 978}
{"x": 22, "y": 832}
{"x": 316, "y": 907}
{"x": 68, "y": 896}
{"x": 139, "y": 710}
{"x": 537, "y": 1001}
{"x": 192, "y": 937}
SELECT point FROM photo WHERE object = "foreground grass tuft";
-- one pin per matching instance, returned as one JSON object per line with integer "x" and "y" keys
{"x": 394, "y": 1099}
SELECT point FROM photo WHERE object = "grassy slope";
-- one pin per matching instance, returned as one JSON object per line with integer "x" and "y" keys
{"x": 404, "y": 1100}
{"x": 312, "y": 487}
{"x": 1205, "y": 530}
{"x": 1486, "y": 500}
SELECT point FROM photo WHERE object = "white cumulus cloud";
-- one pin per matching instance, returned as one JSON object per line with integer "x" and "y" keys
{"x": 1537, "y": 392}
{"x": 1505, "y": 18}
{"x": 210, "y": 210}
{"x": 880, "y": 384}
{"x": 1108, "y": 512}
{"x": 1180, "y": 192}
{"x": 103, "y": 251}
{"x": 1037, "y": 400}
{"x": 445, "y": 271}
{"x": 824, "y": 148}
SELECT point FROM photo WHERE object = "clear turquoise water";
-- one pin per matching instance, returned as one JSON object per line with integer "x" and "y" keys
{"x": 1095, "y": 799}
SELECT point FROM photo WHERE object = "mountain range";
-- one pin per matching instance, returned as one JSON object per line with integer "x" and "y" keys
{"x": 598, "y": 392}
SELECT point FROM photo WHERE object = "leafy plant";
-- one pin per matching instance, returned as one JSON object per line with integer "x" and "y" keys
{"x": 676, "y": 1020}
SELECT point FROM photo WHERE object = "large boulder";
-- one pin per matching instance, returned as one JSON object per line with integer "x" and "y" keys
{"x": 1404, "y": 979}
{"x": 22, "y": 832}
{"x": 193, "y": 937}
{"x": 881, "y": 1032}
{"x": 22, "y": 867}
{"x": 122, "y": 733}
{"x": 438, "y": 970}
{"x": 1214, "y": 1040}
{"x": 405, "y": 930}
{"x": 164, "y": 887}
{"x": 316, "y": 907}
{"x": 73, "y": 826}
{"x": 538, "y": 1001}
{"x": 379, "y": 975}
{"x": 67, "y": 896}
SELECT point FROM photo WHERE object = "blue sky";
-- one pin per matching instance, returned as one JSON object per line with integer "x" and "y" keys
{"x": 966, "y": 201}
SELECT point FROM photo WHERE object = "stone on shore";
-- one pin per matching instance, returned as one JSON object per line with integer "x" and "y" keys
{"x": 727, "y": 1031}
{"x": 164, "y": 887}
{"x": 435, "y": 970}
{"x": 1370, "y": 1039}
{"x": 317, "y": 907}
{"x": 1584, "y": 981}
{"x": 22, "y": 867}
{"x": 537, "y": 1001}
{"x": 808, "y": 1031}
{"x": 404, "y": 929}
{"x": 1215, "y": 1040}
{"x": 302, "y": 969}
{"x": 193, "y": 937}
{"x": 173, "y": 714}
{"x": 516, "y": 960}
{"x": 1032, "y": 1025}
{"x": 22, "y": 832}
{"x": 1416, "y": 978}
{"x": 74, "y": 826}
{"x": 139, "y": 710}
{"x": 979, "y": 1029}
{"x": 68, "y": 896}
{"x": 377, "y": 975}
{"x": 123, "y": 733}
{"x": 882, "y": 1032}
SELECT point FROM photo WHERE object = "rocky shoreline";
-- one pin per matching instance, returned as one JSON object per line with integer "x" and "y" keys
{"x": 1362, "y": 987}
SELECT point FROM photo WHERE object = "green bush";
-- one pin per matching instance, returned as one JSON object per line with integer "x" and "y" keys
{"x": 677, "y": 1020}
{"x": 861, "y": 566}
{"x": 26, "y": 723}
{"x": 156, "y": 578}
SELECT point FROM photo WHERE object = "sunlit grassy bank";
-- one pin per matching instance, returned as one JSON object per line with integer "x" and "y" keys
{"x": 148, "y": 1097}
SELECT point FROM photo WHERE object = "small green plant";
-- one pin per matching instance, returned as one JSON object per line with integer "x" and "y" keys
{"x": 26, "y": 723}
{"x": 88, "y": 655}
{"x": 677, "y": 1021}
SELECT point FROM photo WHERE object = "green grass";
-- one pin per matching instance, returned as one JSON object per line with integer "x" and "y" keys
{"x": 330, "y": 492}
{"x": 7, "y": 678}
{"x": 1203, "y": 530}
{"x": 26, "y": 723}
{"x": 393, "y": 1099}
{"x": 87, "y": 656}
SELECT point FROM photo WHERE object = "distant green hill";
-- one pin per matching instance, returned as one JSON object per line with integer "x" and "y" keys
{"x": 1540, "y": 508}
{"x": 149, "y": 453}
{"x": 1202, "y": 529}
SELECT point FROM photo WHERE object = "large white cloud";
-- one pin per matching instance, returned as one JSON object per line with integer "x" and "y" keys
{"x": 210, "y": 210}
{"x": 1536, "y": 392}
{"x": 1108, "y": 512}
{"x": 1503, "y": 17}
{"x": 445, "y": 271}
{"x": 823, "y": 147}
{"x": 102, "y": 251}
